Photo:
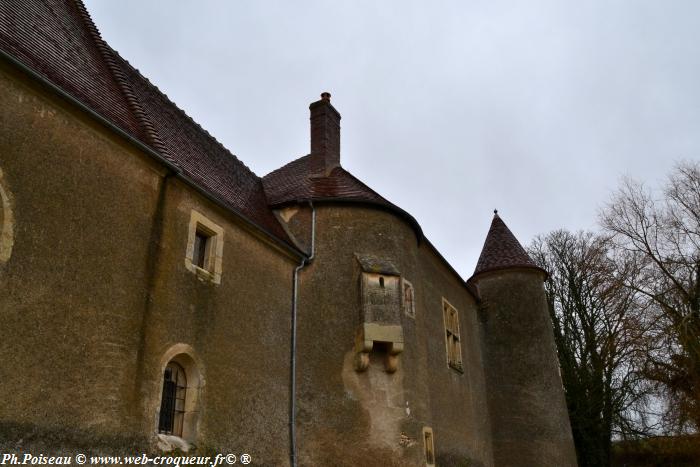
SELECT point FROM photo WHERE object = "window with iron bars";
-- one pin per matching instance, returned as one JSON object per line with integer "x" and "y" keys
{"x": 172, "y": 406}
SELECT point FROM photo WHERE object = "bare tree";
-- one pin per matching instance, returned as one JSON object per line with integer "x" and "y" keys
{"x": 600, "y": 337}
{"x": 661, "y": 239}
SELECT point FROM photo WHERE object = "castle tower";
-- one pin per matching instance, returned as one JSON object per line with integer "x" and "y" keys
{"x": 529, "y": 419}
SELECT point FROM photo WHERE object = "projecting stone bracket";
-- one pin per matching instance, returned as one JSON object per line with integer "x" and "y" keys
{"x": 369, "y": 334}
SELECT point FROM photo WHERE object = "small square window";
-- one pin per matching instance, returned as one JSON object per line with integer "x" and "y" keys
{"x": 204, "y": 248}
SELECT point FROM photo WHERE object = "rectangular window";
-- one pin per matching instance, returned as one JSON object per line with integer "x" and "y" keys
{"x": 453, "y": 343}
{"x": 205, "y": 246}
{"x": 200, "y": 249}
{"x": 429, "y": 446}
{"x": 408, "y": 297}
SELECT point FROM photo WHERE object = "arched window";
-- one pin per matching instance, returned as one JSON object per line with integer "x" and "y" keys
{"x": 178, "y": 408}
{"x": 172, "y": 406}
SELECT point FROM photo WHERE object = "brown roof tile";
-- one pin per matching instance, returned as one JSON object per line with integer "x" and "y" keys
{"x": 303, "y": 180}
{"x": 201, "y": 157}
{"x": 58, "y": 40}
{"x": 502, "y": 250}
{"x": 52, "y": 38}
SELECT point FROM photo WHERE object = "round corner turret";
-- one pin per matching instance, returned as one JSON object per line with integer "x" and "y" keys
{"x": 530, "y": 422}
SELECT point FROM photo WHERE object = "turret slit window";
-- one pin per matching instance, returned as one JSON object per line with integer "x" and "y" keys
{"x": 172, "y": 407}
{"x": 429, "y": 446}
{"x": 453, "y": 343}
{"x": 409, "y": 307}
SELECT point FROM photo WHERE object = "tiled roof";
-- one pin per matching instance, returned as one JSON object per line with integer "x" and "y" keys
{"x": 303, "y": 180}
{"x": 201, "y": 157}
{"x": 58, "y": 40}
{"x": 51, "y": 38}
{"x": 502, "y": 250}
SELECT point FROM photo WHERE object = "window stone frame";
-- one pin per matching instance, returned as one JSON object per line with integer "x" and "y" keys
{"x": 214, "y": 248}
{"x": 412, "y": 312}
{"x": 429, "y": 450}
{"x": 453, "y": 340}
{"x": 7, "y": 221}
{"x": 183, "y": 355}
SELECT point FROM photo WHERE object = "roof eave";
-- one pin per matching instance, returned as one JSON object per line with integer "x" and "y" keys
{"x": 511, "y": 267}
{"x": 358, "y": 201}
{"x": 146, "y": 149}
{"x": 421, "y": 238}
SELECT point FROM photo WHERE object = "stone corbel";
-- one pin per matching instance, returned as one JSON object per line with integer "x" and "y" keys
{"x": 368, "y": 334}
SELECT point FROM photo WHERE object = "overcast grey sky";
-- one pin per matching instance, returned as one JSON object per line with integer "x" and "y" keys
{"x": 450, "y": 109}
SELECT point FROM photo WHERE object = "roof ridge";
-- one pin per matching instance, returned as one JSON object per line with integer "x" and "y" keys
{"x": 152, "y": 136}
{"x": 181, "y": 111}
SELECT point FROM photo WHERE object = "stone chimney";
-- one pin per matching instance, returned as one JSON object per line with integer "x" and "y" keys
{"x": 325, "y": 134}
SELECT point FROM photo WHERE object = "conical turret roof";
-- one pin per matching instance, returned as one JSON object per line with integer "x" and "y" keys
{"x": 502, "y": 250}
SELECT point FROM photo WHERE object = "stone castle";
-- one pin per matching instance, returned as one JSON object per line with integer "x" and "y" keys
{"x": 156, "y": 293}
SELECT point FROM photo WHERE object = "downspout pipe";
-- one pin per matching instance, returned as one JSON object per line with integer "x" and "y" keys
{"x": 293, "y": 358}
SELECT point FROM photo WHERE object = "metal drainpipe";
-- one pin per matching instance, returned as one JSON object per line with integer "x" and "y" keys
{"x": 293, "y": 366}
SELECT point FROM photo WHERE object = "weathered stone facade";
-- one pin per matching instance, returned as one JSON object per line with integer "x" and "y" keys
{"x": 101, "y": 289}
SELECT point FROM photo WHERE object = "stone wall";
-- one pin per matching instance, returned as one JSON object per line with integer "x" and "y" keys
{"x": 376, "y": 417}
{"x": 96, "y": 296}
{"x": 525, "y": 393}
{"x": 99, "y": 290}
